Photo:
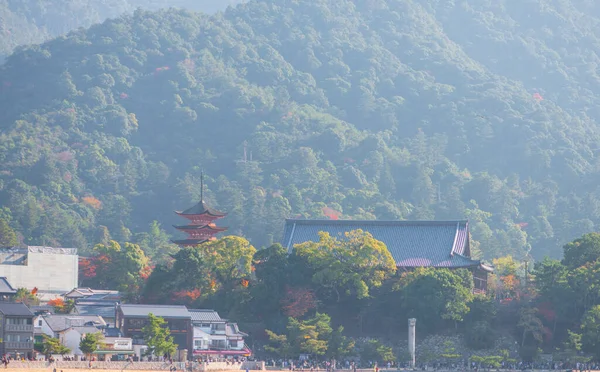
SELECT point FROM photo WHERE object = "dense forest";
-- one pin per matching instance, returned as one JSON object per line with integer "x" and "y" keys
{"x": 366, "y": 109}
{"x": 33, "y": 21}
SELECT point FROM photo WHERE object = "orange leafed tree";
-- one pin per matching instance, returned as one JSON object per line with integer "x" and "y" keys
{"x": 298, "y": 301}
{"x": 188, "y": 295}
{"x": 56, "y": 302}
{"x": 92, "y": 202}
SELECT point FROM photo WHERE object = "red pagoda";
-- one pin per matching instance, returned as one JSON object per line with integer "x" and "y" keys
{"x": 201, "y": 227}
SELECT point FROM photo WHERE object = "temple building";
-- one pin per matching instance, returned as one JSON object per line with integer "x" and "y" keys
{"x": 201, "y": 227}
{"x": 441, "y": 244}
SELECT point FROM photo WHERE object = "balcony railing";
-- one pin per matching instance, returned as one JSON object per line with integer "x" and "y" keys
{"x": 13, "y": 345}
{"x": 19, "y": 328}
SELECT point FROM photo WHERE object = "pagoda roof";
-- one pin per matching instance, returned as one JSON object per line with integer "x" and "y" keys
{"x": 190, "y": 241}
{"x": 200, "y": 227}
{"x": 201, "y": 208}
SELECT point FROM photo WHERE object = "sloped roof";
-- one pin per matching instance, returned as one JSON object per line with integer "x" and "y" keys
{"x": 93, "y": 294}
{"x": 84, "y": 330}
{"x": 5, "y": 287}
{"x": 168, "y": 311}
{"x": 15, "y": 309}
{"x": 107, "y": 311}
{"x": 232, "y": 330}
{"x": 205, "y": 315}
{"x": 411, "y": 243}
{"x": 202, "y": 208}
{"x": 60, "y": 322}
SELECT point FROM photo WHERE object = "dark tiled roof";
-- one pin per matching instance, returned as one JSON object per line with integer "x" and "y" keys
{"x": 5, "y": 287}
{"x": 15, "y": 309}
{"x": 202, "y": 208}
{"x": 411, "y": 243}
{"x": 166, "y": 311}
{"x": 103, "y": 311}
{"x": 202, "y": 315}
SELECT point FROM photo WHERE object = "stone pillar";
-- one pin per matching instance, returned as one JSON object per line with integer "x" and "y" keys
{"x": 411, "y": 340}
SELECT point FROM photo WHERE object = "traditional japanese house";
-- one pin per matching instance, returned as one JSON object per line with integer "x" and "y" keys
{"x": 441, "y": 244}
{"x": 201, "y": 227}
{"x": 131, "y": 318}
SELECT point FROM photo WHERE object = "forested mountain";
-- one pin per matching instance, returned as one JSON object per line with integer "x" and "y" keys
{"x": 389, "y": 109}
{"x": 34, "y": 21}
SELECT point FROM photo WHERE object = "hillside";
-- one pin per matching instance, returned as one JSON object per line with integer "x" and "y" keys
{"x": 392, "y": 109}
{"x": 29, "y": 21}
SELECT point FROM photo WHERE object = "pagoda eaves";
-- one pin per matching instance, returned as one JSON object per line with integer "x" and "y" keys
{"x": 201, "y": 209}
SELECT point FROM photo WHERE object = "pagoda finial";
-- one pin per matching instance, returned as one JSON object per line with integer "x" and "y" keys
{"x": 201, "y": 186}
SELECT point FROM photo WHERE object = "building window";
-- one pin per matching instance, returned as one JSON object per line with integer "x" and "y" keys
{"x": 233, "y": 343}
{"x": 39, "y": 323}
{"x": 18, "y": 321}
{"x": 136, "y": 323}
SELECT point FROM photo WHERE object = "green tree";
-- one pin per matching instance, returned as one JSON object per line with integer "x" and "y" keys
{"x": 349, "y": 266}
{"x": 52, "y": 345}
{"x": 119, "y": 267}
{"x": 581, "y": 251}
{"x": 8, "y": 237}
{"x": 374, "y": 350}
{"x": 271, "y": 273}
{"x": 339, "y": 346}
{"x": 279, "y": 345}
{"x": 91, "y": 342}
{"x": 25, "y": 296}
{"x": 310, "y": 336}
{"x": 434, "y": 295}
{"x": 158, "y": 337}
{"x": 590, "y": 332}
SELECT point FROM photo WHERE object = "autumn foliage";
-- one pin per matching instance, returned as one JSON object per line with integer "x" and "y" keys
{"x": 187, "y": 295}
{"x": 331, "y": 213}
{"x": 92, "y": 202}
{"x": 298, "y": 301}
{"x": 56, "y": 302}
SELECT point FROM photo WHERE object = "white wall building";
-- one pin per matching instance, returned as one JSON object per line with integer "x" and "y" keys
{"x": 72, "y": 337}
{"x": 216, "y": 336}
{"x": 53, "y": 271}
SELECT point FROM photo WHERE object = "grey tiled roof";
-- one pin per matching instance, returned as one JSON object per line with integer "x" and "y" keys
{"x": 168, "y": 311}
{"x": 103, "y": 311}
{"x": 5, "y": 287}
{"x": 60, "y": 322}
{"x": 411, "y": 243}
{"x": 15, "y": 309}
{"x": 202, "y": 315}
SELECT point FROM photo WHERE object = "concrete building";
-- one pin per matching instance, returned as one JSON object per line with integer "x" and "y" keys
{"x": 53, "y": 271}
{"x": 16, "y": 330}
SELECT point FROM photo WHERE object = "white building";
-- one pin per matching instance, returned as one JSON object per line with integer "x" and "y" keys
{"x": 72, "y": 337}
{"x": 53, "y": 271}
{"x": 216, "y": 336}
{"x": 68, "y": 328}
